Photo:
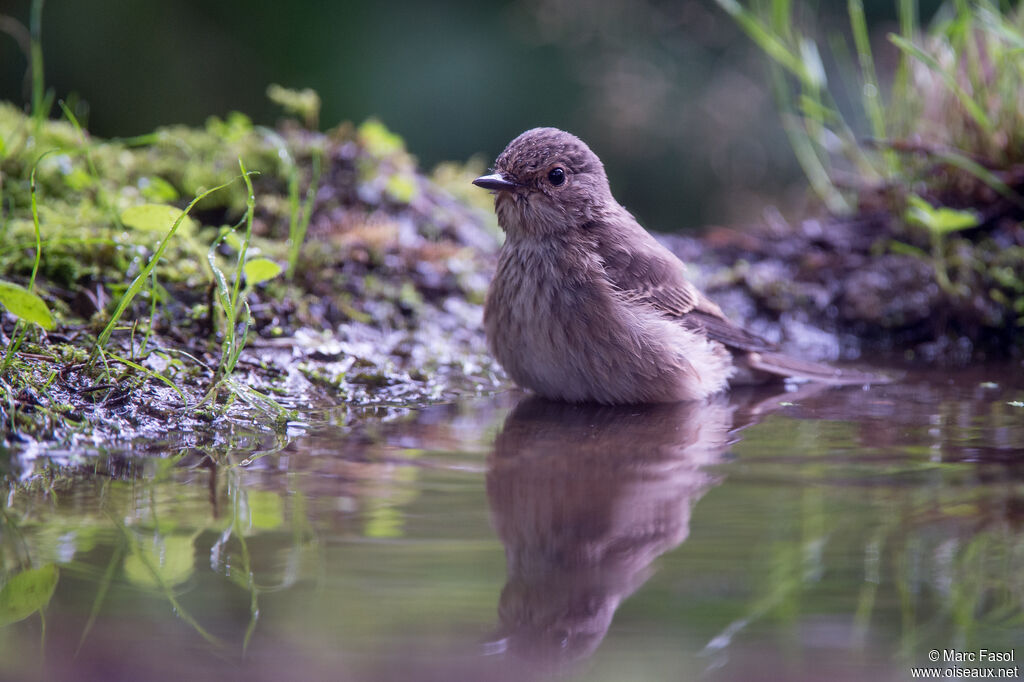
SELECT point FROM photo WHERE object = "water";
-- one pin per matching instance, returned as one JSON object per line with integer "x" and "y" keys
{"x": 831, "y": 535}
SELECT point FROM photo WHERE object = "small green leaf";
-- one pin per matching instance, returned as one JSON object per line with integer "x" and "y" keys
{"x": 233, "y": 129}
{"x": 26, "y": 593}
{"x": 940, "y": 220}
{"x": 25, "y": 305}
{"x": 305, "y": 103}
{"x": 152, "y": 217}
{"x": 260, "y": 270}
{"x": 378, "y": 140}
{"x": 78, "y": 179}
{"x": 907, "y": 250}
{"x": 401, "y": 187}
{"x": 156, "y": 189}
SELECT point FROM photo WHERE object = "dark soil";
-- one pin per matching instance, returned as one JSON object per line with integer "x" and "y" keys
{"x": 834, "y": 288}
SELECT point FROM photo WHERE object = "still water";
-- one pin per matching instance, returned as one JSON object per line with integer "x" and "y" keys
{"x": 838, "y": 534}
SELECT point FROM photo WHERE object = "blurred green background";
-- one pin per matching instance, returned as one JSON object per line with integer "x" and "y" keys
{"x": 673, "y": 98}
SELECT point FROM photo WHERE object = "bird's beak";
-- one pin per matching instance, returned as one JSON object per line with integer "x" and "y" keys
{"x": 495, "y": 181}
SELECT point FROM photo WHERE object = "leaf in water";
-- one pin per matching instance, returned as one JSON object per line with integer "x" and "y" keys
{"x": 166, "y": 561}
{"x": 266, "y": 510}
{"x": 384, "y": 522}
{"x": 26, "y": 593}
{"x": 25, "y": 305}
{"x": 153, "y": 217}
{"x": 260, "y": 270}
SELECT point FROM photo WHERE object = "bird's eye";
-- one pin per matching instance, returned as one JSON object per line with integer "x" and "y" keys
{"x": 556, "y": 176}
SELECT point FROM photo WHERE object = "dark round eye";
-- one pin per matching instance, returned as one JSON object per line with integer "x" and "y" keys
{"x": 556, "y": 176}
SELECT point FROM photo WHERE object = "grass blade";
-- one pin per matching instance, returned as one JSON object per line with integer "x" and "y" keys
{"x": 150, "y": 373}
{"x": 958, "y": 160}
{"x": 140, "y": 279}
{"x": 870, "y": 93}
{"x": 299, "y": 225}
{"x": 973, "y": 109}
{"x": 772, "y": 45}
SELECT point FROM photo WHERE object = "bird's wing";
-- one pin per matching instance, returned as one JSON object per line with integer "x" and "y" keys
{"x": 653, "y": 276}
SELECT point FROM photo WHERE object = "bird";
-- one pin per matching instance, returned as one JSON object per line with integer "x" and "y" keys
{"x": 586, "y": 306}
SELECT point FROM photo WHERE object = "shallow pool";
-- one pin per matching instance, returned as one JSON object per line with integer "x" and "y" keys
{"x": 833, "y": 534}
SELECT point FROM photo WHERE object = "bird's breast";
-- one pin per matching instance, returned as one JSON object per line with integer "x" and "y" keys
{"x": 541, "y": 293}
{"x": 540, "y": 309}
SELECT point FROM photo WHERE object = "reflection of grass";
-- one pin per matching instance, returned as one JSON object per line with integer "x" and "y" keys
{"x": 248, "y": 581}
{"x": 148, "y": 536}
{"x": 932, "y": 566}
{"x": 101, "y": 593}
{"x": 167, "y": 590}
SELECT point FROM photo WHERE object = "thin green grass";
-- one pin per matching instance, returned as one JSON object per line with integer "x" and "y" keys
{"x": 21, "y": 329}
{"x": 299, "y": 217}
{"x": 227, "y": 296}
{"x": 137, "y": 284}
{"x": 86, "y": 149}
{"x": 101, "y": 593}
{"x": 944, "y": 146}
{"x": 40, "y": 107}
{"x": 232, "y": 300}
{"x": 956, "y": 99}
{"x": 150, "y": 373}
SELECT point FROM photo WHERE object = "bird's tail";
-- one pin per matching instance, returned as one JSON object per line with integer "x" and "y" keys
{"x": 806, "y": 370}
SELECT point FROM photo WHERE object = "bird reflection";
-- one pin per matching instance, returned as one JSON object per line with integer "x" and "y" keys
{"x": 584, "y": 499}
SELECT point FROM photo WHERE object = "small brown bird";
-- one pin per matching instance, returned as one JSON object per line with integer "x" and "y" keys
{"x": 586, "y": 306}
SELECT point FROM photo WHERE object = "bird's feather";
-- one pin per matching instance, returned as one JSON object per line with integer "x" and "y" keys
{"x": 806, "y": 370}
{"x": 653, "y": 276}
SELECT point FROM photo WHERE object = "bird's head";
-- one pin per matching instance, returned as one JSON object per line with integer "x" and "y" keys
{"x": 547, "y": 181}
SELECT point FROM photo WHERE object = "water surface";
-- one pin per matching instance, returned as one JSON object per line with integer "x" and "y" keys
{"x": 834, "y": 534}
